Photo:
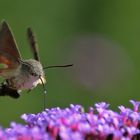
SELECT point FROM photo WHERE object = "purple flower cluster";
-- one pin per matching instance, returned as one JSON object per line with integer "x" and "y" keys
{"x": 73, "y": 123}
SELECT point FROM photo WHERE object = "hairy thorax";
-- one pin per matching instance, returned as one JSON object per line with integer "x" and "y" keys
{"x": 27, "y": 76}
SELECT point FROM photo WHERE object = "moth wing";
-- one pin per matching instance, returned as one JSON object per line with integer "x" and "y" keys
{"x": 9, "y": 53}
{"x": 33, "y": 44}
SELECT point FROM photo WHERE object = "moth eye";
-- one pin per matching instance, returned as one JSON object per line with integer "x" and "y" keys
{"x": 34, "y": 74}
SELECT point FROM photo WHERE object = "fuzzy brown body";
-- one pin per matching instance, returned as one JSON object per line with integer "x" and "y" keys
{"x": 19, "y": 74}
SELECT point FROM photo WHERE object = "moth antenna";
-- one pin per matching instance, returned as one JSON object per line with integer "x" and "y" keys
{"x": 58, "y": 66}
{"x": 44, "y": 97}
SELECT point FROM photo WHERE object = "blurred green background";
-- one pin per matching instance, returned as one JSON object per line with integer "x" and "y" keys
{"x": 60, "y": 27}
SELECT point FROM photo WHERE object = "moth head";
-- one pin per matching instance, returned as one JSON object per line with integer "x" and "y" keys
{"x": 34, "y": 68}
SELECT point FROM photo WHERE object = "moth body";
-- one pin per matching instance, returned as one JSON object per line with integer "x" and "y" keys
{"x": 19, "y": 74}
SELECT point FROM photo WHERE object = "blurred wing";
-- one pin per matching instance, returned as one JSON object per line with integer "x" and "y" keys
{"x": 9, "y": 53}
{"x": 33, "y": 44}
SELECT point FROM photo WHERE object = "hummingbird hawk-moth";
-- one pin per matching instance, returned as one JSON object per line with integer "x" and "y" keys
{"x": 19, "y": 74}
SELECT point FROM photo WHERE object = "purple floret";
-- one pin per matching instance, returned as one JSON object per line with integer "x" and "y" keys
{"x": 73, "y": 123}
